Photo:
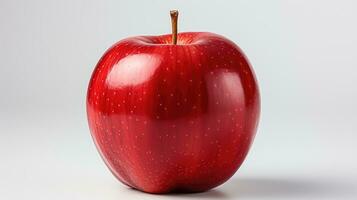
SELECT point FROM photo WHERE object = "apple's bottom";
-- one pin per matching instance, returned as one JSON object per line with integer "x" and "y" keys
{"x": 179, "y": 188}
{"x": 171, "y": 191}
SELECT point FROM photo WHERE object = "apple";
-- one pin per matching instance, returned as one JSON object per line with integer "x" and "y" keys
{"x": 175, "y": 112}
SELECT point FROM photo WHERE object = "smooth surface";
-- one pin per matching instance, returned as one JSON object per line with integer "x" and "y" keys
{"x": 173, "y": 117}
{"x": 303, "y": 53}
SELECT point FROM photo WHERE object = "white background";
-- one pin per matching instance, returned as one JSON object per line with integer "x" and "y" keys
{"x": 303, "y": 52}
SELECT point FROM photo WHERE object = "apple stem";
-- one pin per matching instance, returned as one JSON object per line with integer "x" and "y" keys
{"x": 174, "y": 18}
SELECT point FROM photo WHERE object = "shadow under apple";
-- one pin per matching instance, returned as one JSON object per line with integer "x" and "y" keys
{"x": 269, "y": 188}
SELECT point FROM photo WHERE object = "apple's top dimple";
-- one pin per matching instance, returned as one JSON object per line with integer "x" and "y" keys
{"x": 183, "y": 39}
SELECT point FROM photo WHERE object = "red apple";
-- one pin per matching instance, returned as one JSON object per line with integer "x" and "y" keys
{"x": 169, "y": 116}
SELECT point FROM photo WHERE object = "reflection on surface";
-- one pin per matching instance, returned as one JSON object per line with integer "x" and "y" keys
{"x": 225, "y": 90}
{"x": 133, "y": 70}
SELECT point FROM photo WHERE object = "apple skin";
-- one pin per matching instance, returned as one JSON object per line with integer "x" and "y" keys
{"x": 168, "y": 118}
